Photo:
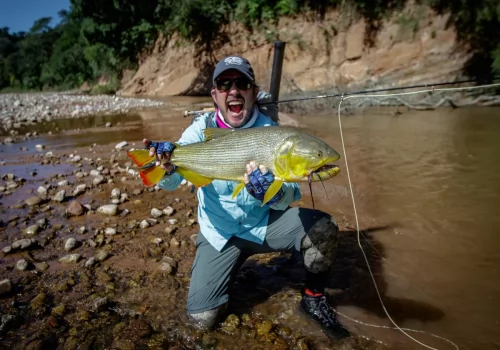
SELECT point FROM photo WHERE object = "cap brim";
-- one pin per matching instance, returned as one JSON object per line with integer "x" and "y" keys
{"x": 241, "y": 70}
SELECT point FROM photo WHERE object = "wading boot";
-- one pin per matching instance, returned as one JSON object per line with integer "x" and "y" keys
{"x": 316, "y": 307}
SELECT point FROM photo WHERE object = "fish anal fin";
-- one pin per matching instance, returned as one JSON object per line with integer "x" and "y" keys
{"x": 141, "y": 157}
{"x": 194, "y": 178}
{"x": 237, "y": 189}
{"x": 214, "y": 133}
{"x": 152, "y": 176}
{"x": 272, "y": 190}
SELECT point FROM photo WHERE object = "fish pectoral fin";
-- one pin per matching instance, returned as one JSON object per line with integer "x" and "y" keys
{"x": 152, "y": 176}
{"x": 141, "y": 157}
{"x": 196, "y": 179}
{"x": 272, "y": 190}
{"x": 237, "y": 189}
{"x": 214, "y": 133}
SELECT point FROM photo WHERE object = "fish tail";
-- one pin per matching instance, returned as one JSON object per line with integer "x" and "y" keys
{"x": 152, "y": 176}
{"x": 141, "y": 157}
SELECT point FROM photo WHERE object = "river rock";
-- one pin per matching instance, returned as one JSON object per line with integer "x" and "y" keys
{"x": 59, "y": 196}
{"x": 70, "y": 244}
{"x": 5, "y": 286}
{"x": 98, "y": 180}
{"x": 110, "y": 231}
{"x": 156, "y": 213}
{"x": 32, "y": 230}
{"x": 42, "y": 192}
{"x": 23, "y": 243}
{"x": 70, "y": 259}
{"x": 108, "y": 209}
{"x": 32, "y": 201}
{"x": 63, "y": 183}
{"x": 121, "y": 145}
{"x": 79, "y": 190}
{"x": 75, "y": 208}
{"x": 22, "y": 265}
{"x": 115, "y": 193}
{"x": 144, "y": 224}
{"x": 168, "y": 211}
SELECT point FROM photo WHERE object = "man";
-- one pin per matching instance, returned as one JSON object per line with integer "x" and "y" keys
{"x": 232, "y": 230}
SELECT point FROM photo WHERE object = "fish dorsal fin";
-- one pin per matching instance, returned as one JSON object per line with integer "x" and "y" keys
{"x": 214, "y": 133}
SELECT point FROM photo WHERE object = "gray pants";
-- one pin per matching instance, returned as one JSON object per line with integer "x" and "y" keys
{"x": 313, "y": 232}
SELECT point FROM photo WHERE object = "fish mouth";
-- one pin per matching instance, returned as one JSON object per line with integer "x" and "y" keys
{"x": 324, "y": 172}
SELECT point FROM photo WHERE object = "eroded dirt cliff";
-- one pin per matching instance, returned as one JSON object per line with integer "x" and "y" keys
{"x": 413, "y": 46}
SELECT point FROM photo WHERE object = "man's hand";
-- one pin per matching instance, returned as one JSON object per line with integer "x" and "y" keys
{"x": 257, "y": 182}
{"x": 163, "y": 150}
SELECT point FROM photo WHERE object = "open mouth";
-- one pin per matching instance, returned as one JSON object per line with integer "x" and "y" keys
{"x": 235, "y": 107}
{"x": 326, "y": 168}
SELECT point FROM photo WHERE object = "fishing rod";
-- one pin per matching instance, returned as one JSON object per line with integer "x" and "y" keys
{"x": 344, "y": 94}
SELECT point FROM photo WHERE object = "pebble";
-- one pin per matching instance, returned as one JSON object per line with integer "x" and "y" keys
{"x": 70, "y": 258}
{"x": 156, "y": 213}
{"x": 168, "y": 211}
{"x": 22, "y": 265}
{"x": 110, "y": 231}
{"x": 108, "y": 209}
{"x": 70, "y": 244}
{"x": 5, "y": 286}
{"x": 32, "y": 230}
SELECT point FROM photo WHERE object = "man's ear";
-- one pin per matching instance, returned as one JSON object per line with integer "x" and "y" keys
{"x": 256, "y": 91}
{"x": 212, "y": 92}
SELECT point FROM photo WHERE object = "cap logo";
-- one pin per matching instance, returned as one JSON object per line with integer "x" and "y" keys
{"x": 233, "y": 60}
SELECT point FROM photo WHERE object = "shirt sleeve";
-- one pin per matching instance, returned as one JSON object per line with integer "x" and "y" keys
{"x": 193, "y": 134}
{"x": 291, "y": 193}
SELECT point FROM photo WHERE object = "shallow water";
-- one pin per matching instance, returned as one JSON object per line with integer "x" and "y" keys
{"x": 427, "y": 190}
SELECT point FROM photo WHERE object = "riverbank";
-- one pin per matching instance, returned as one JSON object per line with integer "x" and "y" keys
{"x": 20, "y": 110}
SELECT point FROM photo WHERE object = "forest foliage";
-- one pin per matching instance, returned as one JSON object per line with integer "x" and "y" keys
{"x": 101, "y": 38}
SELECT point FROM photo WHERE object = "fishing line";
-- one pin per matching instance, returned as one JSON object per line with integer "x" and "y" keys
{"x": 403, "y": 330}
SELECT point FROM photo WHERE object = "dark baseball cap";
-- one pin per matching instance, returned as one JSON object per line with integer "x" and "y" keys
{"x": 235, "y": 62}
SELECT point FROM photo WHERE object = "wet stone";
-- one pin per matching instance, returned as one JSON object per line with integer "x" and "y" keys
{"x": 115, "y": 193}
{"x": 80, "y": 189}
{"x": 41, "y": 266}
{"x": 70, "y": 259}
{"x": 5, "y": 286}
{"x": 7, "y": 249}
{"x": 156, "y": 213}
{"x": 168, "y": 211}
{"x": 108, "y": 209}
{"x": 32, "y": 201}
{"x": 98, "y": 180}
{"x": 23, "y": 243}
{"x": 75, "y": 208}
{"x": 144, "y": 224}
{"x": 63, "y": 183}
{"x": 32, "y": 230}
{"x": 59, "y": 196}
{"x": 110, "y": 231}
{"x": 70, "y": 244}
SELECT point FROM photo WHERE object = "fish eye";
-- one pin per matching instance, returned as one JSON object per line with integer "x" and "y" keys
{"x": 320, "y": 154}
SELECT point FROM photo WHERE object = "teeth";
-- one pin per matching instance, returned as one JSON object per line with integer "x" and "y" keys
{"x": 233, "y": 103}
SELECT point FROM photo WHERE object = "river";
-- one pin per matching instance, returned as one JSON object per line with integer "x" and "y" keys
{"x": 427, "y": 192}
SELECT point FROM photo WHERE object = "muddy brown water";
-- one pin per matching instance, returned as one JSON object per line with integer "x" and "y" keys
{"x": 427, "y": 191}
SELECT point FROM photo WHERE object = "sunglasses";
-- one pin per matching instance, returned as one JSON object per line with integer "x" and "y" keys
{"x": 226, "y": 84}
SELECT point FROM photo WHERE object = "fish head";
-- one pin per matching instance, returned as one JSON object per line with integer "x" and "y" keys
{"x": 304, "y": 157}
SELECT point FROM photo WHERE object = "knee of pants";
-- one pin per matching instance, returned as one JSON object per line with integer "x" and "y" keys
{"x": 319, "y": 245}
{"x": 207, "y": 320}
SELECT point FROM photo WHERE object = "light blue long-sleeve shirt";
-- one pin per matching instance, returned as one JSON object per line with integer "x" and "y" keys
{"x": 220, "y": 217}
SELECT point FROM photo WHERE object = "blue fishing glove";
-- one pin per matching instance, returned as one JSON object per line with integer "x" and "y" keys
{"x": 161, "y": 147}
{"x": 260, "y": 183}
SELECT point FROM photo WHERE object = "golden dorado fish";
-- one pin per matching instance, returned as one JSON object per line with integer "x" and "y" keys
{"x": 290, "y": 154}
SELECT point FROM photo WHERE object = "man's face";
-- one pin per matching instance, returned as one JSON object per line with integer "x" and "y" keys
{"x": 235, "y": 95}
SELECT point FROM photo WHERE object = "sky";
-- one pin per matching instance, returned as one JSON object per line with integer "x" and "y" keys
{"x": 19, "y": 15}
